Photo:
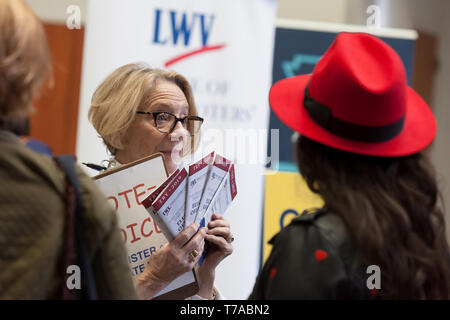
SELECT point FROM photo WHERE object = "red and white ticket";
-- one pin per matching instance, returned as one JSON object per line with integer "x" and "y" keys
{"x": 224, "y": 196}
{"x": 198, "y": 174}
{"x": 217, "y": 174}
{"x": 149, "y": 200}
{"x": 168, "y": 208}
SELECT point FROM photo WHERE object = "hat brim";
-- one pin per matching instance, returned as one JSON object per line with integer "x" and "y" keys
{"x": 286, "y": 100}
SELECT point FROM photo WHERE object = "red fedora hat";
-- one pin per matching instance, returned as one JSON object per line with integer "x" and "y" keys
{"x": 356, "y": 100}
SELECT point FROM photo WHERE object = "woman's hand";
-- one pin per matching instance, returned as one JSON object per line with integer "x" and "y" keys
{"x": 219, "y": 238}
{"x": 171, "y": 261}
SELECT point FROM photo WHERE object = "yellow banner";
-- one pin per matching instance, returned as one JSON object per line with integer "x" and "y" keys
{"x": 286, "y": 196}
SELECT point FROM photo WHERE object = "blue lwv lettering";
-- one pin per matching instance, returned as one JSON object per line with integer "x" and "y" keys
{"x": 181, "y": 27}
{"x": 157, "y": 24}
{"x": 206, "y": 29}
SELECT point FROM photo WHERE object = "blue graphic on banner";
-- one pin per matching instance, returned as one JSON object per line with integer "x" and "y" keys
{"x": 284, "y": 214}
{"x": 289, "y": 67}
{"x": 297, "y": 52}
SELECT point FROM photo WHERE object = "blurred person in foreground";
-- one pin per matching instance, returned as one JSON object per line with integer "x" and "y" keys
{"x": 363, "y": 131}
{"x": 33, "y": 208}
{"x": 21, "y": 128}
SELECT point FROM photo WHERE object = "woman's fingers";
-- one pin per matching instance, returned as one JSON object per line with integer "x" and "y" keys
{"x": 184, "y": 236}
{"x": 218, "y": 226}
{"x": 196, "y": 242}
{"x": 221, "y": 243}
{"x": 220, "y": 232}
{"x": 194, "y": 255}
{"x": 189, "y": 244}
{"x": 218, "y": 221}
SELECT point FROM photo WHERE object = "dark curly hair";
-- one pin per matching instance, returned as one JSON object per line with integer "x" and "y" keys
{"x": 390, "y": 207}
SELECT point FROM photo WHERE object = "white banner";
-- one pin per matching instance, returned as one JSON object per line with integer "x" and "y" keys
{"x": 224, "y": 48}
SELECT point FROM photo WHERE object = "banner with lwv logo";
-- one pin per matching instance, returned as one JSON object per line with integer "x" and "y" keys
{"x": 224, "y": 48}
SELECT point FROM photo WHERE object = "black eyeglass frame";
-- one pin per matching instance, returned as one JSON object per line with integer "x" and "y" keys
{"x": 155, "y": 114}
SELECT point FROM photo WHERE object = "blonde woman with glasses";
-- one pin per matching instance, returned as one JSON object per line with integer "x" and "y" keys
{"x": 139, "y": 111}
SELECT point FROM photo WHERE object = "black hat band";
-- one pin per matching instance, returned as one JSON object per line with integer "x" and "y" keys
{"x": 323, "y": 116}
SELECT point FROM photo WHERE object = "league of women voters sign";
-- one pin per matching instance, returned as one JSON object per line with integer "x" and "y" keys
{"x": 125, "y": 188}
{"x": 224, "y": 48}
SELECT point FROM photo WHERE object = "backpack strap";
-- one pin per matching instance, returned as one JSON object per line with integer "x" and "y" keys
{"x": 88, "y": 287}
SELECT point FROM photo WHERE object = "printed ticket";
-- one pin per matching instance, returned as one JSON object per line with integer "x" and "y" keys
{"x": 198, "y": 174}
{"x": 224, "y": 196}
{"x": 149, "y": 200}
{"x": 168, "y": 208}
{"x": 217, "y": 173}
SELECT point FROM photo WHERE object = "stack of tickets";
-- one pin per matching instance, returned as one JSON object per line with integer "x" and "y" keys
{"x": 207, "y": 186}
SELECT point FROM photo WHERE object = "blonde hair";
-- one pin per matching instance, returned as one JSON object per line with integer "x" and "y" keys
{"x": 118, "y": 97}
{"x": 24, "y": 58}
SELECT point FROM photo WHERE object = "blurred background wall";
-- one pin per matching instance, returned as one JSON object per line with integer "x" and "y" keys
{"x": 431, "y": 18}
{"x": 56, "y": 121}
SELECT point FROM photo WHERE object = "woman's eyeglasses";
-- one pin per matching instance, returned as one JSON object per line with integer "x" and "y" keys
{"x": 166, "y": 122}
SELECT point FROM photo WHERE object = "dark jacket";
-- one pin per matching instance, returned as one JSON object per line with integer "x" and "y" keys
{"x": 312, "y": 258}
